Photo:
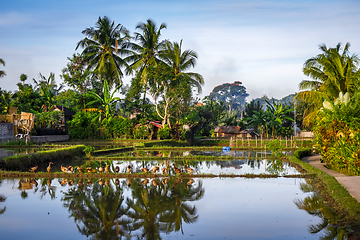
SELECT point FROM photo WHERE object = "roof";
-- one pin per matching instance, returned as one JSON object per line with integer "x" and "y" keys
{"x": 155, "y": 124}
{"x": 227, "y": 129}
{"x": 66, "y": 110}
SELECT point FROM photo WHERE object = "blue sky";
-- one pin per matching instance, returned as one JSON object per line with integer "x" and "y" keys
{"x": 261, "y": 43}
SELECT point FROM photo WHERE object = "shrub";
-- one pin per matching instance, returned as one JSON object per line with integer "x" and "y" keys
{"x": 337, "y": 136}
{"x": 276, "y": 147}
{"x": 48, "y": 119}
{"x": 303, "y": 153}
{"x": 164, "y": 132}
{"x": 84, "y": 125}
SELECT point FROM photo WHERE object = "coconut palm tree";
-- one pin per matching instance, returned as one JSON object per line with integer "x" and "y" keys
{"x": 332, "y": 71}
{"x": 2, "y": 73}
{"x": 148, "y": 49}
{"x": 98, "y": 211}
{"x": 103, "y": 47}
{"x": 180, "y": 61}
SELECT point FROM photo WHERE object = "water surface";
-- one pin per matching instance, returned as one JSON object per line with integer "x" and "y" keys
{"x": 180, "y": 208}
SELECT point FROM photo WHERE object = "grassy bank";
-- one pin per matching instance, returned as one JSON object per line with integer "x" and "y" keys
{"x": 24, "y": 162}
{"x": 330, "y": 186}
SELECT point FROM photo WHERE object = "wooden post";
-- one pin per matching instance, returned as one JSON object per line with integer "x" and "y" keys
{"x": 256, "y": 140}
{"x": 302, "y": 143}
{"x": 286, "y": 142}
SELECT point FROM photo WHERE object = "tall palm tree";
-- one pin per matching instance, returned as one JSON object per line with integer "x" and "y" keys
{"x": 180, "y": 61}
{"x": 333, "y": 71}
{"x": 99, "y": 211}
{"x": 146, "y": 52}
{"x": 103, "y": 47}
{"x": 2, "y": 73}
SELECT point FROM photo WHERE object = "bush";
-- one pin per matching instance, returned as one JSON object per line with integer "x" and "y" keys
{"x": 303, "y": 153}
{"x": 141, "y": 132}
{"x": 116, "y": 127}
{"x": 85, "y": 125}
{"x": 338, "y": 136}
{"x": 164, "y": 132}
{"x": 276, "y": 147}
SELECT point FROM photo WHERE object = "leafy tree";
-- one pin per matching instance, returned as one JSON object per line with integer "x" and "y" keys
{"x": 27, "y": 100}
{"x": 77, "y": 76}
{"x": 162, "y": 87}
{"x": 6, "y": 101}
{"x": 2, "y": 72}
{"x": 103, "y": 47}
{"x": 233, "y": 95}
{"x": 332, "y": 71}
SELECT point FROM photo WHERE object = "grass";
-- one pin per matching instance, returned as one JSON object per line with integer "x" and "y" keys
{"x": 329, "y": 186}
{"x": 24, "y": 162}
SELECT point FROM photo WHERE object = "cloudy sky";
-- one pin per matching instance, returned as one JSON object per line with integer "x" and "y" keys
{"x": 261, "y": 43}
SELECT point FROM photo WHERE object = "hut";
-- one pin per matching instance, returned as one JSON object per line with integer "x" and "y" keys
{"x": 227, "y": 131}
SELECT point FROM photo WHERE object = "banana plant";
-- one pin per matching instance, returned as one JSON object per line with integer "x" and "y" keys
{"x": 107, "y": 100}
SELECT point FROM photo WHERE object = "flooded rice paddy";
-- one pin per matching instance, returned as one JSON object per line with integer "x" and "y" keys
{"x": 236, "y": 208}
{"x": 172, "y": 206}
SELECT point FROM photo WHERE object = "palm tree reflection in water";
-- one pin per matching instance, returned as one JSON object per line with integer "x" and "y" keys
{"x": 103, "y": 213}
{"x": 335, "y": 225}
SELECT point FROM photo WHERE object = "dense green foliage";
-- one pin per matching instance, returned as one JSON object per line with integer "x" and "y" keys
{"x": 333, "y": 71}
{"x": 338, "y": 136}
{"x": 233, "y": 95}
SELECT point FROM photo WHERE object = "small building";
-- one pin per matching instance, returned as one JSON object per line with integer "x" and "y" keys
{"x": 227, "y": 131}
{"x": 248, "y": 133}
{"x": 234, "y": 131}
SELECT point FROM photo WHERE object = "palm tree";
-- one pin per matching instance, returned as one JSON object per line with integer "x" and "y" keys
{"x": 181, "y": 61}
{"x": 23, "y": 78}
{"x": 48, "y": 90}
{"x": 333, "y": 71}
{"x": 98, "y": 211}
{"x": 2, "y": 73}
{"x": 146, "y": 52}
{"x": 179, "y": 208}
{"x": 103, "y": 46}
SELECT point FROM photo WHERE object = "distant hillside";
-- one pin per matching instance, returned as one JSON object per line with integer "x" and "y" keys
{"x": 285, "y": 100}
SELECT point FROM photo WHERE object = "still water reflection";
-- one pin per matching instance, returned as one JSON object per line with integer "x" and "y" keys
{"x": 162, "y": 208}
{"x": 236, "y": 166}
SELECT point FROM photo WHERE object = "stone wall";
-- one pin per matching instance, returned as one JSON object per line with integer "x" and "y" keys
{"x": 6, "y": 129}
